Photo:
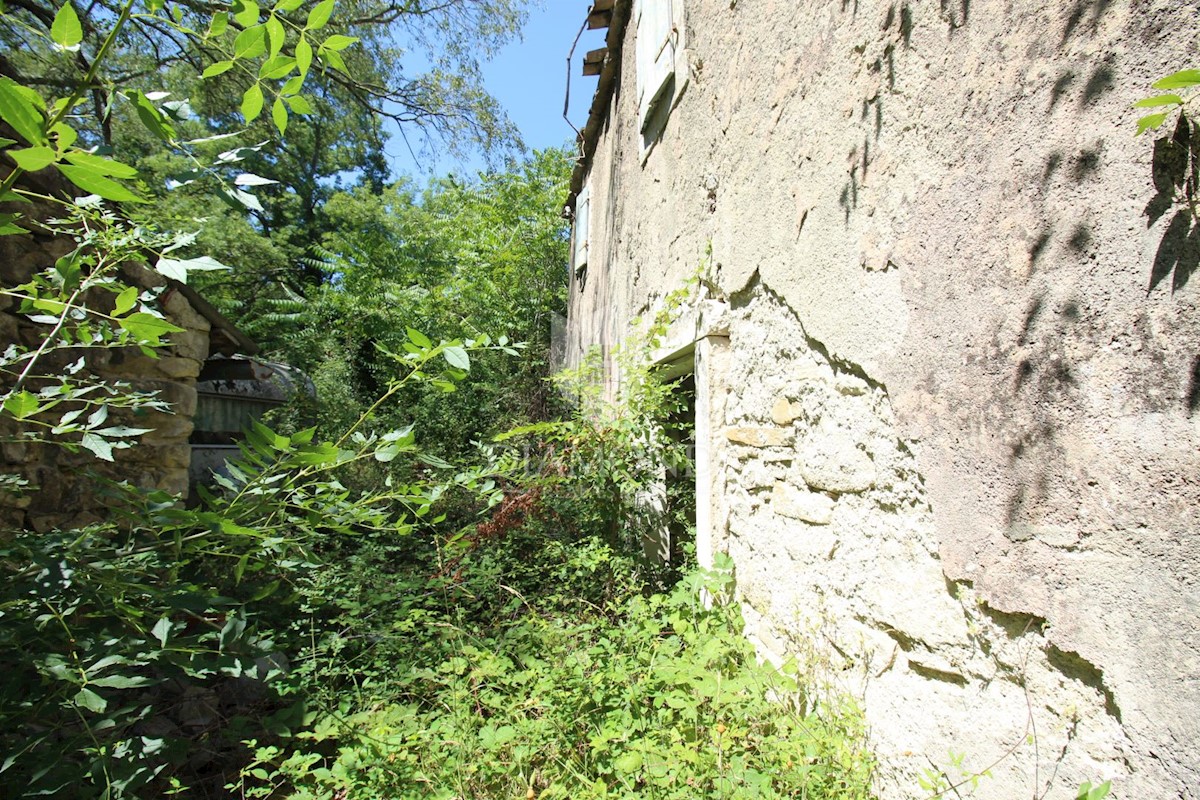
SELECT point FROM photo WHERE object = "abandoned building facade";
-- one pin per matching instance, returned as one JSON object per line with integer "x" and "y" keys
{"x": 946, "y": 359}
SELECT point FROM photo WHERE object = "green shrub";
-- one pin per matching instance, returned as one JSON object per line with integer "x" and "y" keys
{"x": 644, "y": 697}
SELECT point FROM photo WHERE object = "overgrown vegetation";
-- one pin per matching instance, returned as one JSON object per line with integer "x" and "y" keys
{"x": 443, "y": 589}
{"x": 562, "y": 680}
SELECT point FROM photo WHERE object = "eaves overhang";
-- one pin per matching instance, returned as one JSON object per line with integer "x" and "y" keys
{"x": 610, "y": 74}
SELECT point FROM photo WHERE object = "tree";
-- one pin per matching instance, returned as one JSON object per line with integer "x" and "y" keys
{"x": 455, "y": 260}
{"x": 106, "y": 626}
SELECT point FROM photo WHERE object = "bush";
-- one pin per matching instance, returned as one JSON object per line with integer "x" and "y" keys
{"x": 482, "y": 691}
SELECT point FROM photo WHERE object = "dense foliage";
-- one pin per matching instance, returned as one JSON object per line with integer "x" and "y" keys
{"x": 350, "y": 610}
{"x": 559, "y": 680}
{"x": 454, "y": 261}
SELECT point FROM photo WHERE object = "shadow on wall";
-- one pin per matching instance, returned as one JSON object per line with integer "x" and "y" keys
{"x": 900, "y": 22}
{"x": 1087, "y": 13}
{"x": 1175, "y": 171}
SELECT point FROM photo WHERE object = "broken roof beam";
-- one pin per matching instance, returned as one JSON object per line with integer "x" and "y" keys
{"x": 593, "y": 62}
{"x": 599, "y": 19}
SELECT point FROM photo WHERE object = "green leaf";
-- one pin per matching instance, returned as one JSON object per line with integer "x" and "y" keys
{"x": 291, "y": 86}
{"x": 250, "y": 43}
{"x": 94, "y": 183}
{"x": 88, "y": 699}
{"x": 121, "y": 431}
{"x": 64, "y": 135}
{"x": 31, "y": 159}
{"x": 334, "y": 59}
{"x": 276, "y": 35}
{"x": 244, "y": 199}
{"x": 265, "y": 591}
{"x": 319, "y": 15}
{"x": 122, "y": 682}
{"x": 419, "y": 339}
{"x": 245, "y": 12}
{"x": 434, "y": 461}
{"x": 66, "y": 31}
{"x": 216, "y": 68}
{"x": 457, "y": 357}
{"x": 101, "y": 165}
{"x": 318, "y": 455}
{"x": 1179, "y": 80}
{"x": 22, "y": 112}
{"x": 288, "y": 5}
{"x": 219, "y": 24}
{"x": 304, "y": 55}
{"x": 7, "y": 228}
{"x": 299, "y": 104}
{"x": 101, "y": 448}
{"x": 161, "y": 630}
{"x": 250, "y": 179}
{"x": 55, "y": 307}
{"x": 70, "y": 270}
{"x": 338, "y": 42}
{"x": 277, "y": 67}
{"x": 628, "y": 762}
{"x": 1159, "y": 100}
{"x": 6, "y": 142}
{"x": 179, "y": 268}
{"x": 252, "y": 103}
{"x": 21, "y": 404}
{"x": 1150, "y": 121}
{"x": 152, "y": 119}
{"x": 148, "y": 328}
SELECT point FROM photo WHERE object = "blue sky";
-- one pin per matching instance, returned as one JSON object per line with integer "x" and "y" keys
{"x": 529, "y": 78}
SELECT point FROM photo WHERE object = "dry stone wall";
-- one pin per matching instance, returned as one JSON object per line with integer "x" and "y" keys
{"x": 954, "y": 439}
{"x": 62, "y": 492}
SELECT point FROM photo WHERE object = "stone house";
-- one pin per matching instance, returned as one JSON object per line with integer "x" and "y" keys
{"x": 62, "y": 492}
{"x": 946, "y": 358}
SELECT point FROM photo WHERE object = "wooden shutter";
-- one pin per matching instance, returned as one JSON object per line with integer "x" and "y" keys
{"x": 655, "y": 54}
{"x": 583, "y": 210}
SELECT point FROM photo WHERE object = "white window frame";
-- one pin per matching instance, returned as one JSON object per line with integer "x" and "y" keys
{"x": 660, "y": 55}
{"x": 581, "y": 234}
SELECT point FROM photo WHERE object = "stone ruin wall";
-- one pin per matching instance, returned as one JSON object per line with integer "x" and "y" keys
{"x": 953, "y": 442}
{"x": 828, "y": 518}
{"x": 61, "y": 493}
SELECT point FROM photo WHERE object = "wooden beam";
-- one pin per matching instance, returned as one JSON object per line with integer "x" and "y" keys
{"x": 599, "y": 19}
{"x": 593, "y": 62}
{"x": 602, "y": 5}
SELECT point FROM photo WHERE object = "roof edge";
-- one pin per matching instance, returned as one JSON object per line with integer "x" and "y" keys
{"x": 601, "y": 100}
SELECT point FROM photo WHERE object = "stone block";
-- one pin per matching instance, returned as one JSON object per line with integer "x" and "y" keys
{"x": 758, "y": 437}
{"x": 165, "y": 428}
{"x": 851, "y": 385}
{"x": 784, "y": 412}
{"x": 178, "y": 456}
{"x": 812, "y": 507}
{"x": 174, "y": 481}
{"x": 833, "y": 464}
{"x": 8, "y": 327}
{"x": 130, "y": 363}
{"x": 44, "y": 523}
{"x": 182, "y": 397}
{"x": 812, "y": 372}
{"x": 15, "y": 452}
{"x": 176, "y": 367}
{"x": 180, "y": 311}
{"x": 10, "y": 500}
{"x": 756, "y": 473}
{"x": 190, "y": 344}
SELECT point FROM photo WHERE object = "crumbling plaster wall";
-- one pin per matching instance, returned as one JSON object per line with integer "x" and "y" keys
{"x": 930, "y": 222}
